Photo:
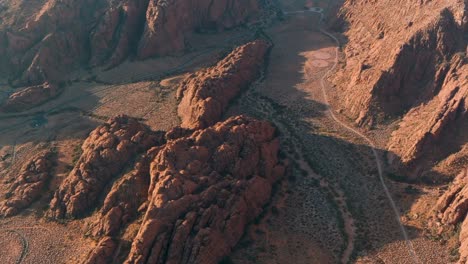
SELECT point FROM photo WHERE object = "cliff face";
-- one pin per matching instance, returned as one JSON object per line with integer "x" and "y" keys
{"x": 44, "y": 40}
{"x": 433, "y": 129}
{"x": 452, "y": 209}
{"x": 105, "y": 153}
{"x": 168, "y": 22}
{"x": 408, "y": 64}
{"x": 205, "y": 95}
{"x": 398, "y": 60}
{"x": 205, "y": 188}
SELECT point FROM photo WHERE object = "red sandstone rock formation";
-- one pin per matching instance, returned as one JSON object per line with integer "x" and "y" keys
{"x": 103, "y": 252}
{"x": 395, "y": 62}
{"x": 123, "y": 202}
{"x": 430, "y": 129}
{"x": 452, "y": 209}
{"x": 205, "y": 188}
{"x": 168, "y": 22}
{"x": 30, "y": 97}
{"x": 409, "y": 65}
{"x": 205, "y": 95}
{"x": 44, "y": 40}
{"x": 29, "y": 185}
{"x": 105, "y": 153}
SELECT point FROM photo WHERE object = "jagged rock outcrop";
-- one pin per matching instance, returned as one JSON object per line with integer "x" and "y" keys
{"x": 205, "y": 188}
{"x": 30, "y": 97}
{"x": 43, "y": 41}
{"x": 395, "y": 62}
{"x": 103, "y": 252}
{"x": 411, "y": 65}
{"x": 105, "y": 153}
{"x": 452, "y": 209}
{"x": 118, "y": 31}
{"x": 29, "y": 185}
{"x": 430, "y": 129}
{"x": 123, "y": 202}
{"x": 168, "y": 22}
{"x": 205, "y": 95}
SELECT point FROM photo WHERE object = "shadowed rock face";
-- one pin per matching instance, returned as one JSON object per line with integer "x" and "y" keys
{"x": 103, "y": 252}
{"x": 122, "y": 203}
{"x": 452, "y": 209}
{"x": 105, "y": 153}
{"x": 36, "y": 48}
{"x": 205, "y": 188}
{"x": 411, "y": 65}
{"x": 205, "y": 95}
{"x": 409, "y": 54}
{"x": 28, "y": 185}
{"x": 427, "y": 130}
{"x": 168, "y": 22}
{"x": 29, "y": 97}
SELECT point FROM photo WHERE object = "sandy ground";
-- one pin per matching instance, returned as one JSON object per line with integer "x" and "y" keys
{"x": 27, "y": 239}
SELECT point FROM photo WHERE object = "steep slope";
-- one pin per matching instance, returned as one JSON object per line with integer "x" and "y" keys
{"x": 44, "y": 42}
{"x": 105, "y": 153}
{"x": 205, "y": 188}
{"x": 411, "y": 67}
{"x": 452, "y": 209}
{"x": 205, "y": 95}
{"x": 395, "y": 62}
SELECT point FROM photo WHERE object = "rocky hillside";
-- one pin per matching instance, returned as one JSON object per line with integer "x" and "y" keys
{"x": 42, "y": 41}
{"x": 452, "y": 209}
{"x": 405, "y": 63}
{"x": 408, "y": 66}
{"x": 205, "y": 95}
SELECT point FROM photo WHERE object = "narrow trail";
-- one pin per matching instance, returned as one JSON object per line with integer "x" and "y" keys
{"x": 24, "y": 240}
{"x": 24, "y": 244}
{"x": 366, "y": 139}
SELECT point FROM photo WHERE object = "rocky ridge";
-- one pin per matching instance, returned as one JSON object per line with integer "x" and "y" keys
{"x": 414, "y": 69}
{"x": 452, "y": 209}
{"x": 29, "y": 185}
{"x": 205, "y": 188}
{"x": 103, "y": 32}
{"x": 30, "y": 97}
{"x": 205, "y": 95}
{"x": 105, "y": 153}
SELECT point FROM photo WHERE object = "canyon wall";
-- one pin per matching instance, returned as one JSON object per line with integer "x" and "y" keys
{"x": 405, "y": 61}
{"x": 44, "y": 40}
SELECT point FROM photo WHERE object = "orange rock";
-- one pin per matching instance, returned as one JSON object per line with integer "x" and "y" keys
{"x": 105, "y": 153}
{"x": 168, "y": 23}
{"x": 205, "y": 95}
{"x": 452, "y": 209}
{"x": 29, "y": 185}
{"x": 205, "y": 188}
{"x": 30, "y": 97}
{"x": 103, "y": 252}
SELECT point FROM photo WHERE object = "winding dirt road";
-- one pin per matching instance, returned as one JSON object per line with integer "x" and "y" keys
{"x": 365, "y": 138}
